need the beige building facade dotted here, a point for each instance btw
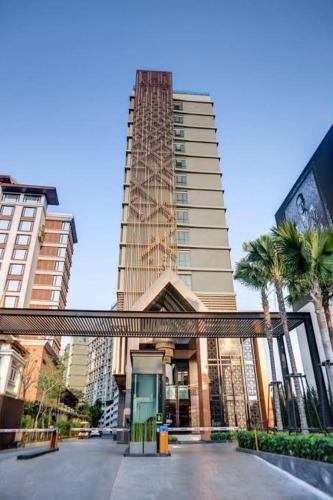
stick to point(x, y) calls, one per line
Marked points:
point(76, 359)
point(175, 256)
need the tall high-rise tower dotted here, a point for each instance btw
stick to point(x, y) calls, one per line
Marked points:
point(175, 254)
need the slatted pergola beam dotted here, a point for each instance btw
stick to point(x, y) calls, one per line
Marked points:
point(85, 323)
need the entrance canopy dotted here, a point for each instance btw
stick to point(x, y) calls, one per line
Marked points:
point(142, 324)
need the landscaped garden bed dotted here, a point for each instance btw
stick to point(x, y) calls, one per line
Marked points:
point(311, 446)
point(306, 456)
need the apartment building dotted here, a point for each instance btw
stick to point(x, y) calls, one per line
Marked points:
point(76, 361)
point(36, 248)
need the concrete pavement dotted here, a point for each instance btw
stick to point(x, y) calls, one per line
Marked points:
point(95, 469)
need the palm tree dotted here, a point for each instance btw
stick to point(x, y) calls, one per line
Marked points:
point(251, 275)
point(308, 258)
point(264, 252)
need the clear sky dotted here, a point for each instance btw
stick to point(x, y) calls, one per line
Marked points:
point(67, 67)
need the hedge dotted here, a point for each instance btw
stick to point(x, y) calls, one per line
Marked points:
point(310, 446)
point(223, 436)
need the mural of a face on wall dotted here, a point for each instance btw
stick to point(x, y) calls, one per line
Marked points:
point(306, 209)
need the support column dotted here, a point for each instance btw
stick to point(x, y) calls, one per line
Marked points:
point(318, 374)
point(287, 384)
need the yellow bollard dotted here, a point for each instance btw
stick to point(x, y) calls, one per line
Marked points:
point(164, 440)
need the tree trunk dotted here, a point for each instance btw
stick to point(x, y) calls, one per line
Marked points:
point(284, 321)
point(317, 300)
point(329, 321)
point(269, 335)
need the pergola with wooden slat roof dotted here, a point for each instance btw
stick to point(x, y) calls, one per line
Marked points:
point(228, 324)
point(141, 324)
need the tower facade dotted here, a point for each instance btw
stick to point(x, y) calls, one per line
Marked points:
point(175, 254)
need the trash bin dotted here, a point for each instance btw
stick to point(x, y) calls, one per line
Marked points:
point(164, 440)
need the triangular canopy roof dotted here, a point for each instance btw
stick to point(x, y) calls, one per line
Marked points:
point(169, 293)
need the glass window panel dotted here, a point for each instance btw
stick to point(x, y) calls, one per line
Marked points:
point(16, 269)
point(14, 285)
point(178, 119)
point(10, 301)
point(6, 210)
point(29, 212)
point(178, 106)
point(22, 239)
point(10, 197)
point(182, 237)
point(180, 148)
point(19, 254)
point(61, 252)
point(181, 180)
point(3, 237)
point(180, 163)
point(26, 225)
point(32, 198)
point(183, 259)
point(182, 216)
point(4, 224)
point(181, 197)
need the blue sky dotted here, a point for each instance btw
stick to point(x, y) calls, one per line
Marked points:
point(67, 67)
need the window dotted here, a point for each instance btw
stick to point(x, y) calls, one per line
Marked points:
point(63, 238)
point(178, 106)
point(182, 237)
point(186, 279)
point(6, 210)
point(180, 164)
point(32, 198)
point(10, 301)
point(61, 252)
point(55, 295)
point(17, 269)
point(181, 197)
point(10, 197)
point(22, 239)
point(182, 216)
point(181, 180)
point(3, 237)
point(12, 376)
point(178, 119)
point(29, 212)
point(14, 285)
point(179, 132)
point(4, 224)
point(26, 225)
point(57, 280)
point(183, 259)
point(65, 226)
point(179, 148)
point(19, 254)
point(59, 266)
point(1, 252)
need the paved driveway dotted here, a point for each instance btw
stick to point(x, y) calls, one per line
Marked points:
point(96, 470)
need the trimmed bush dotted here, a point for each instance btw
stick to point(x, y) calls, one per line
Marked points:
point(312, 446)
point(221, 436)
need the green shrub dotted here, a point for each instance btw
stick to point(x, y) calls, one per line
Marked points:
point(221, 436)
point(27, 421)
point(173, 439)
point(64, 426)
point(312, 446)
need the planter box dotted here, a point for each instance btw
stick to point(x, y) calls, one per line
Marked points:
point(318, 474)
